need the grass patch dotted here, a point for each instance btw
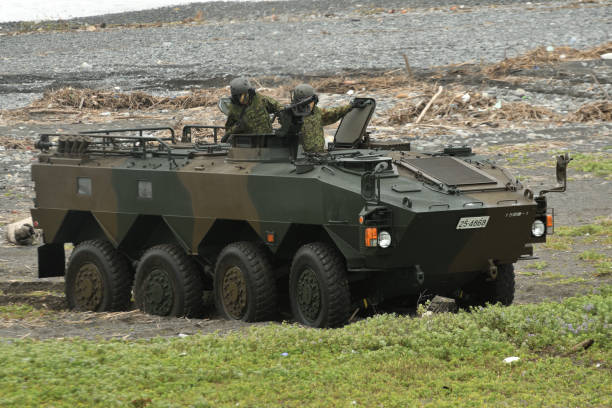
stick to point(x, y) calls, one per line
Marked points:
point(21, 311)
point(443, 360)
point(601, 262)
point(591, 256)
point(42, 293)
point(603, 228)
point(539, 265)
point(553, 275)
point(574, 279)
point(598, 164)
point(603, 268)
point(526, 273)
point(559, 243)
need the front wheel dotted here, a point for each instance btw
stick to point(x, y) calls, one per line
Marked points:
point(318, 286)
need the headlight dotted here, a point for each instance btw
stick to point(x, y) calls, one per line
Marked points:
point(537, 228)
point(384, 239)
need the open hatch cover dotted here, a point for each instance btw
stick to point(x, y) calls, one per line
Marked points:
point(353, 126)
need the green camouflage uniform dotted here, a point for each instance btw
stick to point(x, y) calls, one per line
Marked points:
point(255, 118)
point(314, 140)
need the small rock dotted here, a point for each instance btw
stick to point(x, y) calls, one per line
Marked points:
point(520, 91)
point(465, 98)
point(183, 335)
point(350, 92)
point(550, 48)
point(509, 360)
point(91, 28)
point(85, 65)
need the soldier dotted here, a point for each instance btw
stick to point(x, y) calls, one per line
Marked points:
point(314, 140)
point(249, 111)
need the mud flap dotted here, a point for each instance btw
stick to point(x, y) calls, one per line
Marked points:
point(51, 260)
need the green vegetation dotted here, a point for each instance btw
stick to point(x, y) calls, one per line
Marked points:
point(539, 265)
point(20, 311)
point(552, 275)
point(601, 262)
point(599, 164)
point(603, 268)
point(602, 228)
point(444, 360)
point(591, 256)
point(565, 236)
point(558, 243)
point(41, 293)
point(529, 273)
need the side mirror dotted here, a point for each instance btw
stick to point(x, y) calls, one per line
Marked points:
point(561, 170)
point(562, 162)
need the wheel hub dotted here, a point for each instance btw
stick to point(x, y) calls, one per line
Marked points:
point(309, 294)
point(88, 287)
point(158, 293)
point(234, 292)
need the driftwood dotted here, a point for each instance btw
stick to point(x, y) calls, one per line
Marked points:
point(431, 101)
point(583, 345)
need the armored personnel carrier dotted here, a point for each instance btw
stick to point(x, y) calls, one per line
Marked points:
point(256, 220)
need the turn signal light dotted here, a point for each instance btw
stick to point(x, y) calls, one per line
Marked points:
point(550, 224)
point(371, 237)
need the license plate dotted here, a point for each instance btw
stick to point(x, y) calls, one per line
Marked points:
point(473, 222)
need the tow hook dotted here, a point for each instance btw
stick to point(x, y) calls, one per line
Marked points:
point(419, 274)
point(492, 272)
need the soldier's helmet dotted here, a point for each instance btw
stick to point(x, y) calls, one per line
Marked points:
point(242, 90)
point(303, 91)
point(304, 99)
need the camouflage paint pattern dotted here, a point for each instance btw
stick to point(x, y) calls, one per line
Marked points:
point(271, 197)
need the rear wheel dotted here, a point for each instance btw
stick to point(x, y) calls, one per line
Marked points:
point(168, 283)
point(98, 278)
point(499, 290)
point(244, 284)
point(318, 286)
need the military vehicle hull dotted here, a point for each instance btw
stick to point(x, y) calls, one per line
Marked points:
point(340, 227)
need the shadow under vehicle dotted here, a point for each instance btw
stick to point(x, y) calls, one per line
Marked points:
point(256, 219)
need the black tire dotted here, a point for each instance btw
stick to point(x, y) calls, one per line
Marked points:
point(244, 284)
point(98, 278)
point(501, 290)
point(318, 286)
point(168, 283)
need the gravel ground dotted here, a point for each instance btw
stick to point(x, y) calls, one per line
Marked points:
point(322, 38)
point(341, 37)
